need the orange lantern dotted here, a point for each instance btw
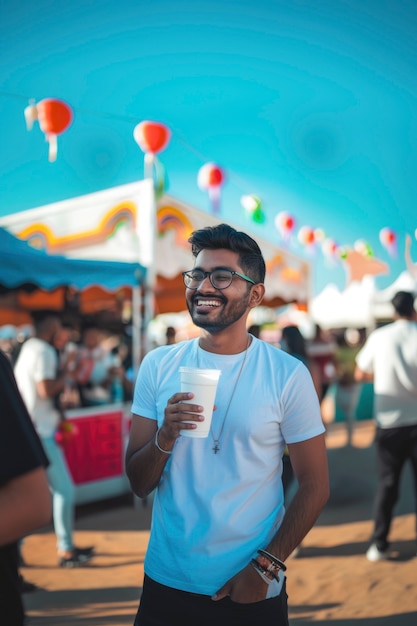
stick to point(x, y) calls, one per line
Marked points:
point(54, 117)
point(210, 178)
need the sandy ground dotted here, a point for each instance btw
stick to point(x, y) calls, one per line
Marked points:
point(330, 581)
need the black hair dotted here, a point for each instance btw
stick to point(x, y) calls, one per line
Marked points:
point(225, 237)
point(43, 317)
point(403, 303)
point(295, 341)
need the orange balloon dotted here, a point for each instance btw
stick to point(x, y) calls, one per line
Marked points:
point(54, 116)
point(306, 236)
point(151, 137)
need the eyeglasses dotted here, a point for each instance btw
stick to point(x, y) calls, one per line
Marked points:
point(220, 278)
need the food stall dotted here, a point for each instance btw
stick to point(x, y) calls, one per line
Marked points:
point(95, 449)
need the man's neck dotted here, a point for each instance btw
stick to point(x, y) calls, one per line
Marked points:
point(224, 343)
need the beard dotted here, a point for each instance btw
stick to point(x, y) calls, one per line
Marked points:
point(219, 318)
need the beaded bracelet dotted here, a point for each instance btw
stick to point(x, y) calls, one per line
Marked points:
point(273, 560)
point(158, 446)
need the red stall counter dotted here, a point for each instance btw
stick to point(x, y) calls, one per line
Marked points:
point(95, 451)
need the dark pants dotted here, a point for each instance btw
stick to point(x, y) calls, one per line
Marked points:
point(163, 606)
point(394, 446)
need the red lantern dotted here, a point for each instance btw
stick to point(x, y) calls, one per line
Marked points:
point(152, 137)
point(54, 117)
point(210, 178)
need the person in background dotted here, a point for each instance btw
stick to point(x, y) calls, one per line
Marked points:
point(255, 330)
point(389, 359)
point(170, 335)
point(322, 350)
point(100, 372)
point(293, 342)
point(25, 499)
point(36, 375)
point(67, 351)
point(220, 533)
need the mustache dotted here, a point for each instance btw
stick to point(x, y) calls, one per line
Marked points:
point(197, 295)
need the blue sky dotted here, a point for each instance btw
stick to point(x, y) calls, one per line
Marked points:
point(309, 104)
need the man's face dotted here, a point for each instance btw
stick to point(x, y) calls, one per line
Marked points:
point(211, 308)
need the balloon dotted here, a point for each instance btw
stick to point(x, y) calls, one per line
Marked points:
point(250, 202)
point(329, 248)
point(54, 117)
point(285, 224)
point(343, 252)
point(363, 247)
point(210, 178)
point(152, 137)
point(319, 235)
point(388, 239)
point(253, 206)
point(306, 236)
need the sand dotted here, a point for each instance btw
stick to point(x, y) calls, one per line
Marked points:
point(329, 582)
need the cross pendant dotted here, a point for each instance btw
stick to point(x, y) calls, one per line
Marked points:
point(216, 447)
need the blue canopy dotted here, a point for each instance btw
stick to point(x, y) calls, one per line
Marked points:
point(24, 267)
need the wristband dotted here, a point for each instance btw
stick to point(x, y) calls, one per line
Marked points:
point(273, 560)
point(158, 446)
point(263, 573)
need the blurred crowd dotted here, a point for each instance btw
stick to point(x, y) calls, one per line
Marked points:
point(97, 363)
point(100, 370)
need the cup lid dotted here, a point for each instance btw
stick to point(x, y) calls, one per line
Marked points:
point(198, 370)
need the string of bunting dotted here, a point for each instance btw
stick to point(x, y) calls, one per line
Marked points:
point(55, 116)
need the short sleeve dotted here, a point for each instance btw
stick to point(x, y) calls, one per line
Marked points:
point(21, 450)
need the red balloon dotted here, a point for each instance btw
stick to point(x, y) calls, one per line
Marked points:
point(54, 116)
point(151, 137)
point(210, 178)
point(388, 238)
point(285, 224)
point(210, 175)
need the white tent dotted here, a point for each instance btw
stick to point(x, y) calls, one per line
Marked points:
point(360, 305)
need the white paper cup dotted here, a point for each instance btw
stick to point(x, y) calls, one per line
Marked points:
point(203, 384)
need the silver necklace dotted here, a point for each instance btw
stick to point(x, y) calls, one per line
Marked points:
point(216, 440)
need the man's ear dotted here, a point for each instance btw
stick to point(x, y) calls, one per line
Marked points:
point(257, 295)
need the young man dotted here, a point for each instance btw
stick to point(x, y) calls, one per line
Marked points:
point(36, 375)
point(389, 358)
point(25, 499)
point(219, 500)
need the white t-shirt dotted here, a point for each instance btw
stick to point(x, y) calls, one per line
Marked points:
point(390, 354)
point(211, 511)
point(37, 361)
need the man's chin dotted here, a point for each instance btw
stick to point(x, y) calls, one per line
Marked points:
point(204, 322)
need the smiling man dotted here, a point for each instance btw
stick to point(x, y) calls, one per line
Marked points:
point(220, 534)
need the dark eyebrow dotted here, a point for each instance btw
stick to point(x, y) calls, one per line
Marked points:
point(221, 267)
